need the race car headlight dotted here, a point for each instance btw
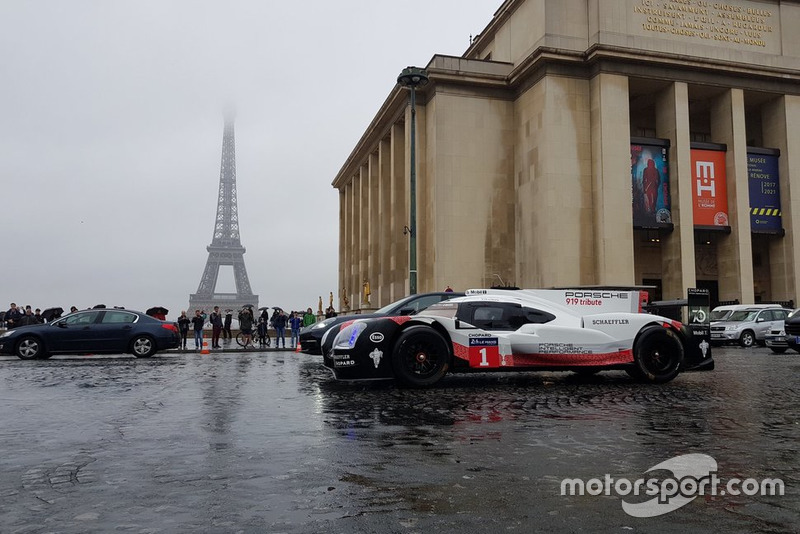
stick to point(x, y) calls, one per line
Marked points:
point(347, 337)
point(321, 324)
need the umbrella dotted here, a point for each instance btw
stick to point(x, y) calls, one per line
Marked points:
point(98, 306)
point(160, 310)
point(52, 313)
point(263, 308)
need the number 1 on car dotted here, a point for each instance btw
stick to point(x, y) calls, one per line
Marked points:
point(484, 352)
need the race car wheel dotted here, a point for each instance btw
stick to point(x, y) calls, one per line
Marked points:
point(747, 339)
point(421, 357)
point(143, 346)
point(657, 354)
point(30, 348)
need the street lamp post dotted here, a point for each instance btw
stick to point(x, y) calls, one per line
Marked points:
point(413, 77)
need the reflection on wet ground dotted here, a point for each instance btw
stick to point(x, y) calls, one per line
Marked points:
point(268, 442)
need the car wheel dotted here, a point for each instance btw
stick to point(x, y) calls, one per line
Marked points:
point(657, 355)
point(421, 357)
point(30, 348)
point(778, 350)
point(747, 339)
point(143, 346)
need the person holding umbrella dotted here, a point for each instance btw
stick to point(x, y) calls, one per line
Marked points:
point(246, 325)
point(158, 312)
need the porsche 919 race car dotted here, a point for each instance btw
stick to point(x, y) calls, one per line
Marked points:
point(500, 330)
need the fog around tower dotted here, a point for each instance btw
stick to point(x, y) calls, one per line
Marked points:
point(111, 137)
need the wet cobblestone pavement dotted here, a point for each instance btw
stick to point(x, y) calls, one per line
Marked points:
point(268, 442)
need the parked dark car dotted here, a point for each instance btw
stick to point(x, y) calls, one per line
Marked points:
point(792, 330)
point(95, 331)
point(311, 336)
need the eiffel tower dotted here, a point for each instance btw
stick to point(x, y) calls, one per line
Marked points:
point(226, 247)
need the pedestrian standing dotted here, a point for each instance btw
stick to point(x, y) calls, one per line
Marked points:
point(279, 323)
point(296, 322)
point(198, 321)
point(246, 326)
point(308, 318)
point(13, 316)
point(226, 327)
point(216, 327)
point(183, 328)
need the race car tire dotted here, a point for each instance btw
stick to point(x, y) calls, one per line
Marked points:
point(747, 339)
point(421, 357)
point(657, 355)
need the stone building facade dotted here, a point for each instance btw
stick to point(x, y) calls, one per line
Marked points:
point(591, 142)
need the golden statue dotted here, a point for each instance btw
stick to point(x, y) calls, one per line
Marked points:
point(366, 292)
point(345, 300)
point(319, 311)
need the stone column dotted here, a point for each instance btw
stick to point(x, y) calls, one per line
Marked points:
point(677, 248)
point(362, 270)
point(611, 176)
point(734, 252)
point(373, 231)
point(385, 238)
point(353, 283)
point(344, 237)
point(781, 129)
point(399, 213)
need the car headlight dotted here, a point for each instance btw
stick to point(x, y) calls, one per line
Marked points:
point(321, 324)
point(347, 337)
point(731, 328)
point(7, 333)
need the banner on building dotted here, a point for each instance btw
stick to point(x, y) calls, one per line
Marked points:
point(765, 197)
point(650, 176)
point(709, 189)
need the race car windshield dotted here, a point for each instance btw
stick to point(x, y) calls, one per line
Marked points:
point(443, 309)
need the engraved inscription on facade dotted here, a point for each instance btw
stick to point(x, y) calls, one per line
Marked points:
point(735, 23)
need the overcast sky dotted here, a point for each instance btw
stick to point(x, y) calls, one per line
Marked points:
point(111, 137)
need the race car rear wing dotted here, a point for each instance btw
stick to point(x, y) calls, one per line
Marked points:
point(581, 301)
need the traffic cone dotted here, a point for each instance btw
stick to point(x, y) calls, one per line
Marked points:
point(297, 349)
point(205, 348)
